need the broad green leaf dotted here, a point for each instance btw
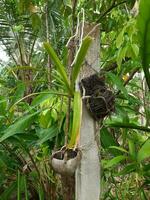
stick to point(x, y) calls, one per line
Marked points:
point(132, 149)
point(121, 55)
point(127, 125)
point(37, 101)
point(108, 140)
point(115, 161)
point(135, 49)
point(47, 134)
point(45, 119)
point(127, 169)
point(41, 98)
point(120, 39)
point(59, 65)
point(19, 92)
point(80, 56)
point(119, 148)
point(19, 126)
point(77, 117)
point(143, 23)
point(144, 152)
point(119, 83)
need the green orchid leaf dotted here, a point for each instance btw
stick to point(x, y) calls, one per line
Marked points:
point(59, 65)
point(80, 56)
point(77, 117)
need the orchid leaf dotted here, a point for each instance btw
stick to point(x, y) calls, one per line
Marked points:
point(80, 56)
point(77, 116)
point(59, 65)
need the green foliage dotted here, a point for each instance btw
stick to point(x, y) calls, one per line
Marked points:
point(144, 151)
point(77, 117)
point(144, 32)
point(18, 127)
point(59, 65)
point(35, 88)
point(47, 134)
point(80, 56)
point(119, 83)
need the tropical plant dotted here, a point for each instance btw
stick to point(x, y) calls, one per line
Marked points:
point(40, 105)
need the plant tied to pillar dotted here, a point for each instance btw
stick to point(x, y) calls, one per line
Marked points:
point(77, 101)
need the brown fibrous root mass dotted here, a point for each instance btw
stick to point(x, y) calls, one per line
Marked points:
point(98, 98)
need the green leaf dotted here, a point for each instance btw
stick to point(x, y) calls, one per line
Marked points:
point(119, 148)
point(67, 3)
point(19, 92)
point(3, 105)
point(40, 98)
point(47, 134)
point(25, 187)
point(119, 83)
point(115, 161)
point(135, 49)
point(19, 126)
point(127, 125)
point(59, 65)
point(80, 56)
point(121, 55)
point(9, 191)
point(36, 22)
point(45, 118)
point(144, 152)
point(108, 140)
point(143, 23)
point(77, 117)
point(120, 39)
point(128, 169)
point(18, 186)
point(37, 101)
point(132, 149)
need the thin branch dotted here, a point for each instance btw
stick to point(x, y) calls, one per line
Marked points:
point(114, 5)
point(74, 5)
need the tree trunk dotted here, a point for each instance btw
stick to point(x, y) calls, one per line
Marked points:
point(88, 173)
